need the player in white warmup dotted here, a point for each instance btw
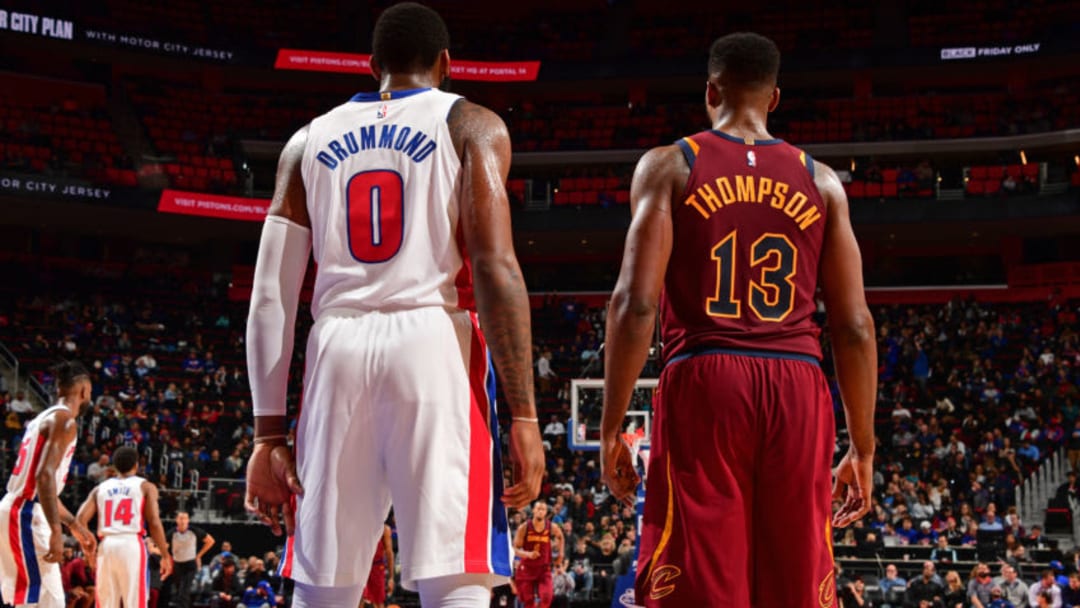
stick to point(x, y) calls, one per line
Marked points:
point(401, 195)
point(33, 547)
point(124, 506)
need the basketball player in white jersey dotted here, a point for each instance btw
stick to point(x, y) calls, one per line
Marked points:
point(124, 505)
point(32, 548)
point(401, 195)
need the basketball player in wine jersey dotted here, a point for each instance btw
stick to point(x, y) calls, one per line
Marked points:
point(535, 543)
point(31, 550)
point(125, 506)
point(400, 194)
point(379, 585)
point(732, 233)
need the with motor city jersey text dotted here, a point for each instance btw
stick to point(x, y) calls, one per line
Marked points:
point(412, 143)
point(711, 197)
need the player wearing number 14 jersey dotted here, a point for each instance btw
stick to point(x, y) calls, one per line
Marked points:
point(126, 506)
point(733, 231)
point(400, 195)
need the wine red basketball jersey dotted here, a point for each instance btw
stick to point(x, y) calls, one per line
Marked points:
point(747, 239)
point(539, 541)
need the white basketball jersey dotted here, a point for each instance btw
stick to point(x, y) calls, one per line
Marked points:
point(23, 481)
point(382, 176)
point(120, 506)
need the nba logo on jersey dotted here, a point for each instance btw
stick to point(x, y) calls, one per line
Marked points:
point(751, 160)
point(383, 111)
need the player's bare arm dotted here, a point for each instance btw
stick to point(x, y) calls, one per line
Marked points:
point(152, 517)
point(208, 542)
point(483, 144)
point(279, 274)
point(519, 542)
point(59, 431)
point(658, 181)
point(851, 329)
point(87, 512)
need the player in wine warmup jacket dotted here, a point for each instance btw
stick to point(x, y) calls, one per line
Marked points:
point(124, 506)
point(31, 551)
point(379, 586)
point(535, 542)
point(736, 229)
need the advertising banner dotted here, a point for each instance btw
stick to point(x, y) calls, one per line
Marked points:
point(959, 53)
point(354, 63)
point(53, 187)
point(213, 205)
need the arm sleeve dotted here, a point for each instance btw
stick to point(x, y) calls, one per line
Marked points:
point(279, 275)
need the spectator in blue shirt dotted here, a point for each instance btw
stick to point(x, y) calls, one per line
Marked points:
point(909, 534)
point(891, 580)
point(193, 365)
point(991, 523)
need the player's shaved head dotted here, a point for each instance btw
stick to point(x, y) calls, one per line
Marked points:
point(408, 38)
point(744, 60)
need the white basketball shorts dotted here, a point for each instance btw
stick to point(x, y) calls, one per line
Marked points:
point(121, 573)
point(398, 407)
point(24, 577)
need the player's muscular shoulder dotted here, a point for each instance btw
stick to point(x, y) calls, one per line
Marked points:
point(469, 122)
point(828, 184)
point(661, 170)
point(290, 199)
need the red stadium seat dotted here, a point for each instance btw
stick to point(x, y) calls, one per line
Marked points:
point(857, 189)
point(873, 190)
point(993, 186)
point(1031, 170)
point(890, 190)
point(889, 175)
point(1075, 179)
point(977, 172)
point(1014, 170)
point(995, 172)
point(976, 187)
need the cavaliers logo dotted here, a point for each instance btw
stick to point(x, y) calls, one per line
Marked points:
point(660, 583)
point(827, 591)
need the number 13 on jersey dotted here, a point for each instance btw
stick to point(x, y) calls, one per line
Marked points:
point(772, 295)
point(375, 214)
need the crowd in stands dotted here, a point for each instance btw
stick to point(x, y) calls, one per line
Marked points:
point(972, 397)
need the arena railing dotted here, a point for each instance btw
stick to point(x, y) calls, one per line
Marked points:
point(1033, 494)
point(36, 392)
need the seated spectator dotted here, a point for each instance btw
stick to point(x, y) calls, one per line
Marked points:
point(927, 587)
point(19, 404)
point(1070, 595)
point(604, 566)
point(226, 589)
point(192, 365)
point(991, 523)
point(1045, 585)
point(892, 580)
point(260, 596)
point(1035, 539)
point(943, 553)
point(980, 585)
point(1013, 589)
point(78, 580)
point(581, 561)
point(955, 592)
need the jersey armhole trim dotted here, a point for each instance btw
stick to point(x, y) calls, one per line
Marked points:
point(689, 149)
point(807, 161)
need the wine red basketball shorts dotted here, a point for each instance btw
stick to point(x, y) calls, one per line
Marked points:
point(738, 493)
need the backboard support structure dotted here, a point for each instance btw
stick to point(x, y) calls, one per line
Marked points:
point(586, 403)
